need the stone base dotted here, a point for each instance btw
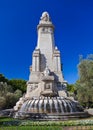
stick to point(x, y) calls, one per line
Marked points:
point(90, 111)
point(52, 116)
point(6, 113)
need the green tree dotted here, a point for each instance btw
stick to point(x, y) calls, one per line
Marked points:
point(18, 84)
point(10, 91)
point(18, 94)
point(4, 88)
point(2, 102)
point(85, 83)
point(2, 78)
point(71, 88)
point(10, 100)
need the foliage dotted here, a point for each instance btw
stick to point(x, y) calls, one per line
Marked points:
point(2, 102)
point(2, 78)
point(10, 91)
point(4, 88)
point(17, 122)
point(18, 84)
point(18, 94)
point(47, 128)
point(11, 99)
point(71, 88)
point(85, 83)
point(32, 128)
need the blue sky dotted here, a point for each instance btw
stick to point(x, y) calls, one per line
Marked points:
point(73, 20)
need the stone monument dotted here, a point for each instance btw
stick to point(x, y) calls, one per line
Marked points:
point(46, 96)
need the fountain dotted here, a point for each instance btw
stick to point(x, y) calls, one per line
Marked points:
point(46, 97)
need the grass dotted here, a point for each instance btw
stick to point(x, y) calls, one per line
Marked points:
point(16, 124)
point(32, 128)
point(47, 128)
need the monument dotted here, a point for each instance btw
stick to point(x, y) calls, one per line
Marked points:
point(46, 96)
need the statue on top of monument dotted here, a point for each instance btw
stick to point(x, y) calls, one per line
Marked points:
point(45, 17)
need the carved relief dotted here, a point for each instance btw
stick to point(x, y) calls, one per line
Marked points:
point(48, 86)
point(31, 87)
point(47, 30)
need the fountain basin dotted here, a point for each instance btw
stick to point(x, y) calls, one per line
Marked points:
point(50, 108)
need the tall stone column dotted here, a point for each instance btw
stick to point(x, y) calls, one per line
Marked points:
point(33, 64)
point(36, 61)
point(45, 41)
point(59, 64)
point(57, 61)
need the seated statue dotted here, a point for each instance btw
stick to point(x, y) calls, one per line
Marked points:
point(45, 17)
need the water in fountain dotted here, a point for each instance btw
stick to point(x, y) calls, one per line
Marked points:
point(49, 105)
point(45, 102)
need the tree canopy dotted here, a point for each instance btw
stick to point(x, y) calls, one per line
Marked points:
point(10, 91)
point(85, 83)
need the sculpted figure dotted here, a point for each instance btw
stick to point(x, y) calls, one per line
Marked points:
point(45, 17)
point(47, 71)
